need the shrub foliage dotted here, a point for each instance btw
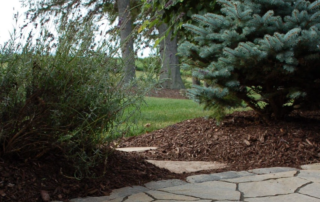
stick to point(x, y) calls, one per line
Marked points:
point(64, 97)
point(262, 52)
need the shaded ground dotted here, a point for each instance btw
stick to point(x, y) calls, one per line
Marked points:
point(241, 141)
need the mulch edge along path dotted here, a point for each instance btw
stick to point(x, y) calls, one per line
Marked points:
point(241, 141)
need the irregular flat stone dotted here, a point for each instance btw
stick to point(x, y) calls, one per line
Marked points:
point(126, 191)
point(271, 187)
point(181, 201)
point(114, 200)
point(272, 170)
point(91, 199)
point(311, 190)
point(284, 198)
point(312, 175)
point(140, 197)
point(168, 196)
point(315, 166)
point(217, 176)
point(207, 190)
point(187, 166)
point(256, 178)
point(163, 184)
point(136, 149)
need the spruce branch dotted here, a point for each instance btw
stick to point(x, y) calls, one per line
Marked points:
point(292, 33)
point(314, 5)
point(201, 19)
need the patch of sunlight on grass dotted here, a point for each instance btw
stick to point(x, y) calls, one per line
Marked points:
point(158, 113)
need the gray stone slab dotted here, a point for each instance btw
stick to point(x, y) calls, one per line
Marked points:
point(168, 196)
point(284, 198)
point(114, 200)
point(312, 175)
point(136, 149)
point(271, 187)
point(272, 170)
point(215, 190)
point(256, 178)
point(181, 201)
point(126, 191)
point(155, 185)
point(315, 166)
point(217, 176)
point(187, 166)
point(140, 197)
point(311, 190)
point(91, 199)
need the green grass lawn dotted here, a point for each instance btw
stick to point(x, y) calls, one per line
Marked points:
point(161, 112)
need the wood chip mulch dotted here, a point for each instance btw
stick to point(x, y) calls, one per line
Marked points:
point(241, 141)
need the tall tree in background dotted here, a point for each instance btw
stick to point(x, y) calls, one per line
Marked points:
point(126, 40)
point(73, 9)
point(168, 16)
point(170, 71)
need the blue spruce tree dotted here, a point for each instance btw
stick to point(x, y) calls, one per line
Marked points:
point(264, 53)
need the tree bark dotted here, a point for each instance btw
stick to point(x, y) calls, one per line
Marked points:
point(196, 81)
point(126, 41)
point(170, 70)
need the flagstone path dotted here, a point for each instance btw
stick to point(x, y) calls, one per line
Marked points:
point(258, 185)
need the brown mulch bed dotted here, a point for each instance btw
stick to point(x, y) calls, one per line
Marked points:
point(241, 141)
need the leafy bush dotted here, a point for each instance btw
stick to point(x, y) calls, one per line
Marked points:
point(62, 97)
point(262, 52)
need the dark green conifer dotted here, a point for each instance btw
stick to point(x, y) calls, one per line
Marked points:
point(264, 53)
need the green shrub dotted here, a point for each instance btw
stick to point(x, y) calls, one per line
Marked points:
point(262, 52)
point(66, 98)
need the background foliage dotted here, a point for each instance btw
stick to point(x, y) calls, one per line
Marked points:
point(66, 97)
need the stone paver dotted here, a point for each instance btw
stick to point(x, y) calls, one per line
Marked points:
point(311, 190)
point(312, 175)
point(114, 200)
point(164, 184)
point(187, 166)
point(277, 184)
point(271, 187)
point(91, 199)
point(272, 170)
point(257, 178)
point(169, 196)
point(315, 166)
point(217, 176)
point(127, 191)
point(140, 197)
point(136, 149)
point(284, 198)
point(181, 201)
point(207, 190)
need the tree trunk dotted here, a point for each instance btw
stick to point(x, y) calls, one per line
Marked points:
point(126, 41)
point(170, 70)
point(196, 81)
